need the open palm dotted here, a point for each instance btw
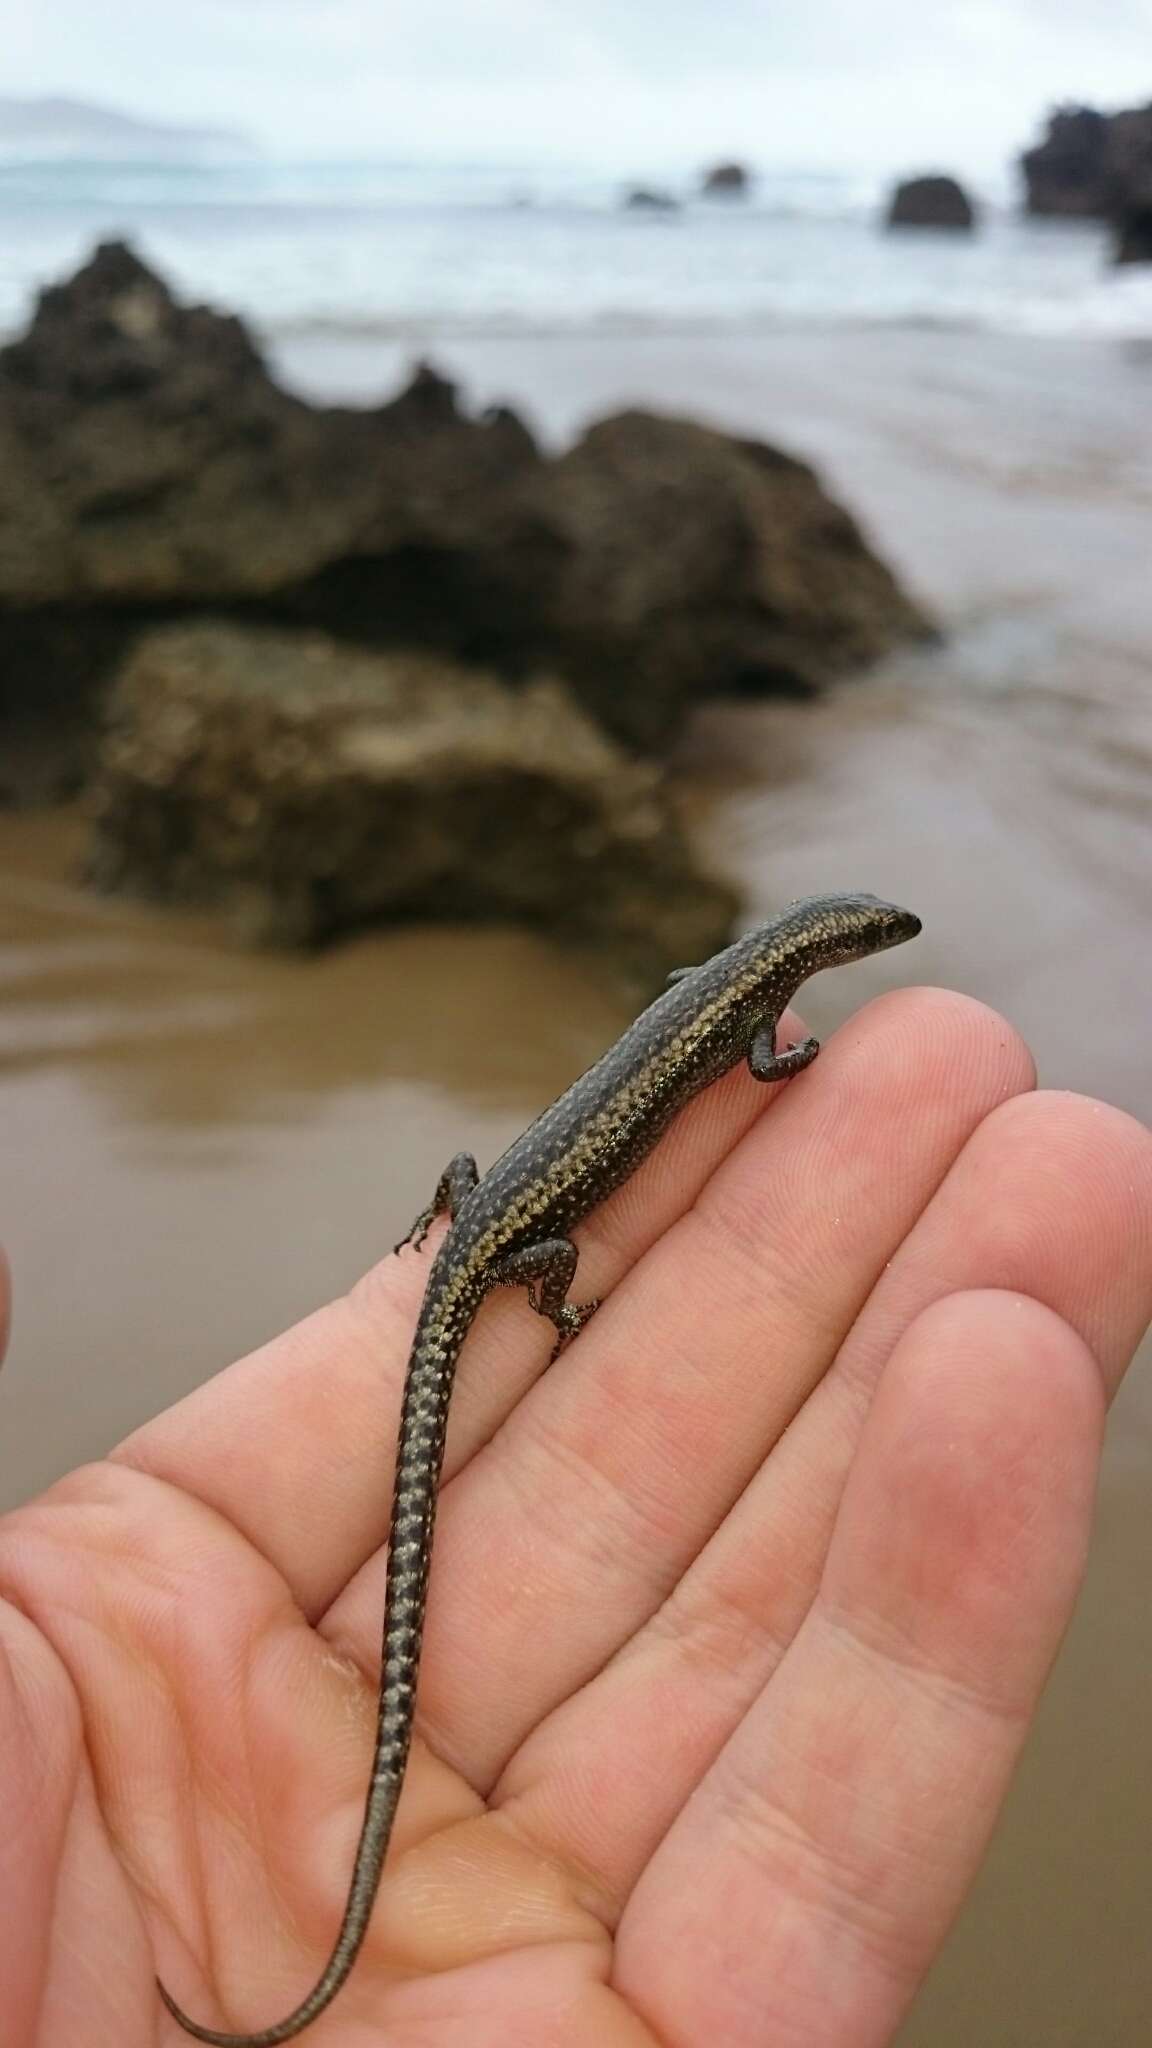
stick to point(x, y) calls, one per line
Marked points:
point(738, 1615)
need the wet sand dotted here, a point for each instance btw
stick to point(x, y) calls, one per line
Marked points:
point(199, 1146)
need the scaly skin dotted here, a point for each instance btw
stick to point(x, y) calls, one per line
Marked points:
point(511, 1229)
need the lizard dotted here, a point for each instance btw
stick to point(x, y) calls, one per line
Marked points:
point(511, 1227)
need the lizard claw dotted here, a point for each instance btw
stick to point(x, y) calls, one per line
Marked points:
point(418, 1233)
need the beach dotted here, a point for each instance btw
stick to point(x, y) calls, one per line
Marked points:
point(202, 1145)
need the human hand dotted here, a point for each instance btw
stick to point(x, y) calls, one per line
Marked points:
point(738, 1615)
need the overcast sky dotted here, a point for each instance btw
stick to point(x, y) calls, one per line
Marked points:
point(870, 84)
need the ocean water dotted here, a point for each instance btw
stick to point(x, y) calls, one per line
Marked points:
point(406, 252)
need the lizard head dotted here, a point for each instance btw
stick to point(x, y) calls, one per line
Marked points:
point(850, 926)
point(824, 931)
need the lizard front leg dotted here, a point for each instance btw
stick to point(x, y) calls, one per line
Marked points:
point(769, 1065)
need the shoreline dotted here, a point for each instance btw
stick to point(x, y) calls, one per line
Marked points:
point(428, 261)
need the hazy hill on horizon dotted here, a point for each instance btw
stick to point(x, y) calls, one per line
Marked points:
point(56, 126)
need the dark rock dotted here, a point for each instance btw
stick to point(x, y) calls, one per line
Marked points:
point(1066, 172)
point(1130, 184)
point(726, 181)
point(1094, 166)
point(657, 562)
point(649, 199)
point(54, 667)
point(146, 454)
point(935, 201)
point(311, 788)
point(148, 463)
point(684, 563)
point(1133, 243)
point(1130, 158)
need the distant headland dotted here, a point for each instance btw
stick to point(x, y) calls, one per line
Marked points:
point(58, 128)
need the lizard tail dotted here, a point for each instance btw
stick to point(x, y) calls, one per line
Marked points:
point(420, 1456)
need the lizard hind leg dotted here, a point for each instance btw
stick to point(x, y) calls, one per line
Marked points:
point(547, 1270)
point(456, 1182)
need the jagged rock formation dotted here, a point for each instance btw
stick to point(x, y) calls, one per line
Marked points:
point(1096, 166)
